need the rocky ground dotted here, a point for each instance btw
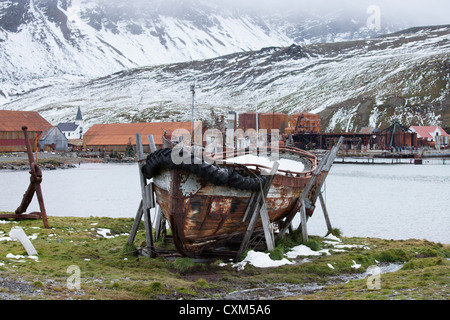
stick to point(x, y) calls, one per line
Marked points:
point(53, 160)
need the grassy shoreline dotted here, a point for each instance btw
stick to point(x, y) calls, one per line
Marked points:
point(108, 270)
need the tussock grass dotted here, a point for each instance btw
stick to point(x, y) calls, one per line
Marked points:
point(110, 269)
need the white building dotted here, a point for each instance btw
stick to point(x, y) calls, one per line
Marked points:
point(73, 130)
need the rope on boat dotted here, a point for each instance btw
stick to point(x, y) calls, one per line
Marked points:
point(162, 159)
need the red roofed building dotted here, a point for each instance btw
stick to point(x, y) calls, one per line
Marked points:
point(432, 133)
point(11, 134)
point(118, 136)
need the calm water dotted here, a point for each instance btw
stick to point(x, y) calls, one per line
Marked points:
point(385, 201)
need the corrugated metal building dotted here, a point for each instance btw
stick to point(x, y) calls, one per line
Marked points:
point(11, 134)
point(116, 137)
point(53, 139)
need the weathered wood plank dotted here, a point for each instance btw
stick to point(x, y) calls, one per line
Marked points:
point(268, 231)
point(325, 212)
point(135, 226)
point(323, 168)
point(147, 204)
point(304, 194)
point(160, 220)
point(303, 222)
point(259, 200)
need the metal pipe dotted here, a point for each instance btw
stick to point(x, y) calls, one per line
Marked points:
point(192, 111)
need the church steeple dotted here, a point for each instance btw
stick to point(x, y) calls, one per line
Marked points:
point(79, 121)
point(79, 116)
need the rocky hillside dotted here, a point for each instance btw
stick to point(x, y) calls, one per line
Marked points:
point(403, 76)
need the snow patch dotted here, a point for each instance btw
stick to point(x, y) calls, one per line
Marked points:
point(284, 164)
point(260, 260)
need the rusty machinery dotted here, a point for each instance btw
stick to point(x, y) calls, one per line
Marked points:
point(34, 187)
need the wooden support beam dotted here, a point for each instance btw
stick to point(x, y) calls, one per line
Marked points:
point(160, 223)
point(325, 212)
point(135, 226)
point(147, 198)
point(303, 195)
point(268, 230)
point(303, 222)
point(326, 168)
point(321, 170)
point(160, 220)
point(256, 204)
point(250, 208)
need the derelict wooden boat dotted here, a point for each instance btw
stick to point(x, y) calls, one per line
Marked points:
point(205, 204)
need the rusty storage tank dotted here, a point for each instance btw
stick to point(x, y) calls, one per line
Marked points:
point(247, 120)
point(273, 120)
point(305, 122)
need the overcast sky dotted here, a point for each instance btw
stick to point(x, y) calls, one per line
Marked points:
point(415, 12)
point(422, 12)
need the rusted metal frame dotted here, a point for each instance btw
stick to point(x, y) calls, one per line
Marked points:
point(304, 195)
point(257, 207)
point(20, 217)
point(34, 187)
point(26, 200)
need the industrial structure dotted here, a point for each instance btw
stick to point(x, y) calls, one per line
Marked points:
point(302, 130)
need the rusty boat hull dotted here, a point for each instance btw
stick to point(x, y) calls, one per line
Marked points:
point(204, 216)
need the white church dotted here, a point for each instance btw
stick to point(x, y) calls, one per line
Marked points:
point(73, 130)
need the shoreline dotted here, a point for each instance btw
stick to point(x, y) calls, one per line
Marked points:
point(56, 160)
point(52, 161)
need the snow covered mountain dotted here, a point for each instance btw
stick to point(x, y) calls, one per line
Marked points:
point(403, 76)
point(48, 41)
point(135, 61)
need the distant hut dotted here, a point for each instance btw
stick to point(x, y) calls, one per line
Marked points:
point(53, 139)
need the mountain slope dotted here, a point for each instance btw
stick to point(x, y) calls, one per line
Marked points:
point(403, 76)
point(48, 41)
